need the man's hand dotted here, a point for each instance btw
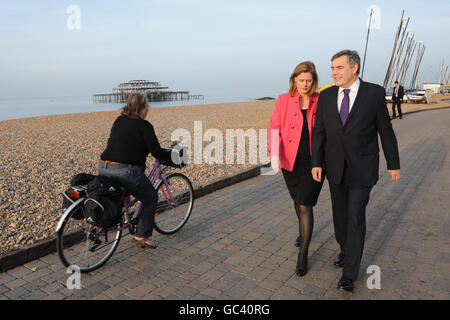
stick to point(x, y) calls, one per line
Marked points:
point(395, 174)
point(275, 163)
point(317, 174)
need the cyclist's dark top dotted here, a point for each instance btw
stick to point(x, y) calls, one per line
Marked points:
point(130, 142)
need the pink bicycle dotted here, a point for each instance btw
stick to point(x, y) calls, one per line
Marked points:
point(89, 247)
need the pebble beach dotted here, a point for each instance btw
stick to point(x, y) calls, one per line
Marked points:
point(40, 155)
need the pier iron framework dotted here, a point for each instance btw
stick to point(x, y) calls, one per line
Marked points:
point(153, 90)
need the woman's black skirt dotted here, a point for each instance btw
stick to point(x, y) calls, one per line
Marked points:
point(304, 190)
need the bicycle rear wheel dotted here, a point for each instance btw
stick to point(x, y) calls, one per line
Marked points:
point(81, 244)
point(175, 203)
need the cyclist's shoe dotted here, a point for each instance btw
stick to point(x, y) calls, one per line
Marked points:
point(144, 243)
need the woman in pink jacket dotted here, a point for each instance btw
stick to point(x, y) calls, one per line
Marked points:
point(291, 128)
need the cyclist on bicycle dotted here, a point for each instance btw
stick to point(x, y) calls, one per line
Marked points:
point(132, 138)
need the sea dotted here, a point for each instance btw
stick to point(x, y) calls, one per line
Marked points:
point(15, 108)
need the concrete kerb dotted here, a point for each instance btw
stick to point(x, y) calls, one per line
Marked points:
point(42, 248)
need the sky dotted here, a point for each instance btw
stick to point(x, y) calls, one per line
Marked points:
point(233, 48)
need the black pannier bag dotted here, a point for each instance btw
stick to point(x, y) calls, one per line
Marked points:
point(77, 189)
point(103, 206)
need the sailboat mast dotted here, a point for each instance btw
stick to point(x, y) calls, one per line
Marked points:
point(367, 42)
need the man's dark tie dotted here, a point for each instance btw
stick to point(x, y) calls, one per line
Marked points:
point(345, 106)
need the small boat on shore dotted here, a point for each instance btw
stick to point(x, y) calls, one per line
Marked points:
point(388, 97)
point(416, 96)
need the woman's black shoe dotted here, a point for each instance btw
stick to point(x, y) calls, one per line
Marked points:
point(298, 242)
point(300, 272)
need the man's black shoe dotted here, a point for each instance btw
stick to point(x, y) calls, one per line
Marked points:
point(345, 284)
point(339, 261)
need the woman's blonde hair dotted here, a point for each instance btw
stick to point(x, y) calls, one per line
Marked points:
point(136, 103)
point(306, 66)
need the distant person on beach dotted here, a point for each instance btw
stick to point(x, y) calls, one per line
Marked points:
point(350, 116)
point(132, 138)
point(397, 99)
point(293, 122)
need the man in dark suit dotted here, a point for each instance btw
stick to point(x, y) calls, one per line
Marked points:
point(349, 116)
point(397, 99)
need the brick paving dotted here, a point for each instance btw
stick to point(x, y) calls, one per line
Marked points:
point(239, 242)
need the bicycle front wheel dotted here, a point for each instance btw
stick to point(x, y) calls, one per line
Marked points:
point(83, 245)
point(175, 203)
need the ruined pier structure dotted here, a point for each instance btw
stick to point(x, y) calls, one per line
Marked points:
point(154, 91)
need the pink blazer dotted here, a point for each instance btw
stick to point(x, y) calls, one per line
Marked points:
point(286, 126)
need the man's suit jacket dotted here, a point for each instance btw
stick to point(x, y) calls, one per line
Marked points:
point(357, 140)
point(401, 93)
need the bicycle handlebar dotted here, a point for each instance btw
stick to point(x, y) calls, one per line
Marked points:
point(179, 151)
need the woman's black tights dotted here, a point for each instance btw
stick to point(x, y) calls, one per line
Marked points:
point(305, 228)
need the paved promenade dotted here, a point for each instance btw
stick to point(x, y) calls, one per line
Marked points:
point(239, 242)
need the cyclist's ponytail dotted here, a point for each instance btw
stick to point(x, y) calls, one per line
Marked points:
point(136, 103)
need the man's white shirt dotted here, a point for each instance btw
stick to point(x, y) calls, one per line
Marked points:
point(352, 94)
